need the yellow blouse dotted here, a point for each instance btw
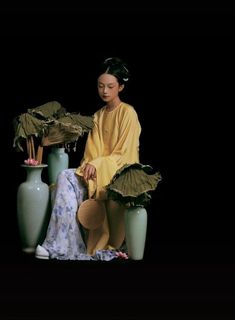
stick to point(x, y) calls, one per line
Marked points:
point(113, 142)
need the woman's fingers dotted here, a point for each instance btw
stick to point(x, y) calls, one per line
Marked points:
point(89, 172)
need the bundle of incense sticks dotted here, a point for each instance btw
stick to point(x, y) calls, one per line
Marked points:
point(31, 150)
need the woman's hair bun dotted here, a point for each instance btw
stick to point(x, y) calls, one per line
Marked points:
point(116, 67)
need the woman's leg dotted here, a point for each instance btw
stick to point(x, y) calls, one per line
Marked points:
point(111, 233)
point(98, 238)
point(64, 239)
point(116, 222)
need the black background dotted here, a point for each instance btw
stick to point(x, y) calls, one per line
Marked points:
point(182, 78)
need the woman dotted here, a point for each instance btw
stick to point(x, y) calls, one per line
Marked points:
point(113, 142)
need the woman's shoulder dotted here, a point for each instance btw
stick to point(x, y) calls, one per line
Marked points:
point(127, 106)
point(128, 109)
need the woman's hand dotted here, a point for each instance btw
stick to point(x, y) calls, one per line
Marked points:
point(89, 172)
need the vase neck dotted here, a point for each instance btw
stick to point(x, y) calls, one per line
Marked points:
point(34, 174)
point(58, 150)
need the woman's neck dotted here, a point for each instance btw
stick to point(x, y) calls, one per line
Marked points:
point(113, 105)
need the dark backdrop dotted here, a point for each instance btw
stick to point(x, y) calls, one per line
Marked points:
point(179, 89)
point(174, 90)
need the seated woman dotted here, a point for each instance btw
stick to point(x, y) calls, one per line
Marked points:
point(113, 142)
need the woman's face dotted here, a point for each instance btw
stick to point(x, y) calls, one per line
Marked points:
point(108, 87)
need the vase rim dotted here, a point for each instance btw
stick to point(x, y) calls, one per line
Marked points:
point(60, 149)
point(54, 147)
point(37, 166)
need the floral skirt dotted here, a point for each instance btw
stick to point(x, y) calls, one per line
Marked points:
point(65, 236)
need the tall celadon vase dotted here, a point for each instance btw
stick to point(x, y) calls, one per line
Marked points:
point(58, 160)
point(32, 208)
point(136, 230)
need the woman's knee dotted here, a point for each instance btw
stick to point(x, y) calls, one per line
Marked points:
point(65, 174)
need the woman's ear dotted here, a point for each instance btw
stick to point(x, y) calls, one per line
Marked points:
point(121, 87)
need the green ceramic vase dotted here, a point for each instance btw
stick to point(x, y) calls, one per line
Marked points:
point(32, 208)
point(58, 160)
point(136, 229)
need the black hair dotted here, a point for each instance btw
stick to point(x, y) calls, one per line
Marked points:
point(116, 67)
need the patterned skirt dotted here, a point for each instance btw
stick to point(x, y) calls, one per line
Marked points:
point(65, 238)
